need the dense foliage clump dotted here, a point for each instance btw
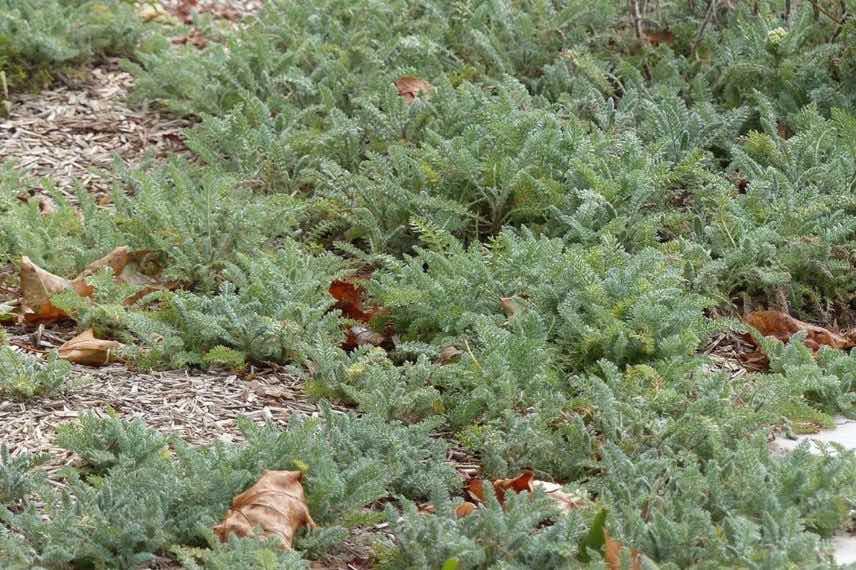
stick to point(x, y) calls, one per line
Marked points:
point(543, 243)
point(41, 38)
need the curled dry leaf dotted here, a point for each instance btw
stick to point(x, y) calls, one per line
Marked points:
point(275, 503)
point(46, 204)
point(360, 335)
point(465, 509)
point(448, 354)
point(511, 306)
point(37, 287)
point(116, 260)
point(410, 87)
point(86, 349)
point(566, 502)
point(783, 326)
point(461, 510)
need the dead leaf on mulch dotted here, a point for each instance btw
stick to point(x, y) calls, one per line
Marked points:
point(410, 87)
point(275, 503)
point(783, 326)
point(475, 491)
point(195, 38)
point(38, 285)
point(116, 260)
point(349, 300)
point(86, 349)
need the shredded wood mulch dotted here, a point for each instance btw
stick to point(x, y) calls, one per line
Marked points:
point(73, 132)
point(200, 408)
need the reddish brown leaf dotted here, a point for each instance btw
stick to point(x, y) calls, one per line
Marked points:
point(349, 300)
point(86, 349)
point(465, 509)
point(659, 37)
point(410, 87)
point(783, 326)
point(184, 10)
point(475, 491)
point(275, 503)
point(612, 554)
point(195, 38)
point(522, 482)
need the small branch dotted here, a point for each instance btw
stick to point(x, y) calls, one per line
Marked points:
point(821, 10)
point(840, 25)
point(707, 16)
point(637, 18)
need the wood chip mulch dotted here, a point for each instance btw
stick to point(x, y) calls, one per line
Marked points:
point(73, 131)
point(198, 408)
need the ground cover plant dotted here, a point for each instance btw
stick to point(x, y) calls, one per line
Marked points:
point(40, 39)
point(512, 228)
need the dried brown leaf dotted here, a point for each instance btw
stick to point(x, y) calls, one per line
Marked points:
point(511, 306)
point(37, 287)
point(86, 349)
point(475, 491)
point(275, 503)
point(465, 509)
point(349, 299)
point(115, 260)
point(612, 554)
point(783, 326)
point(46, 204)
point(411, 87)
point(195, 38)
point(448, 354)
